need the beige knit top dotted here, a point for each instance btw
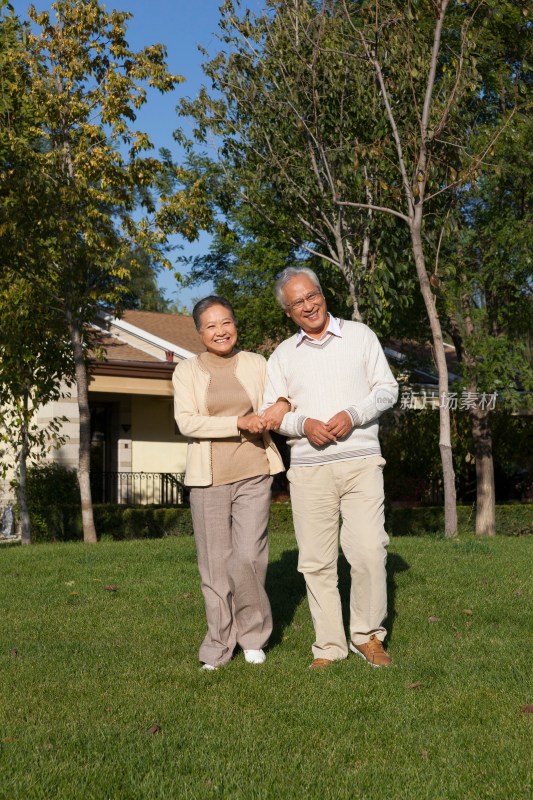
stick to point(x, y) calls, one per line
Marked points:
point(239, 457)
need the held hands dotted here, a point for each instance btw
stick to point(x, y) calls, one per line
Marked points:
point(273, 416)
point(270, 420)
point(321, 433)
point(251, 424)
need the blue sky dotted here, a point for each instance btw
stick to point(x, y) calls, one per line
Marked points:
point(181, 25)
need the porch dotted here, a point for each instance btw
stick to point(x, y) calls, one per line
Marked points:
point(138, 488)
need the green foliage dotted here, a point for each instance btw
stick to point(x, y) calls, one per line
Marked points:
point(244, 260)
point(80, 188)
point(35, 365)
point(56, 521)
point(83, 173)
point(60, 521)
point(309, 145)
point(143, 292)
point(296, 140)
point(34, 352)
point(144, 522)
point(487, 289)
point(138, 523)
point(54, 506)
point(174, 521)
point(409, 442)
point(515, 519)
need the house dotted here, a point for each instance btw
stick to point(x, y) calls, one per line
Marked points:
point(137, 452)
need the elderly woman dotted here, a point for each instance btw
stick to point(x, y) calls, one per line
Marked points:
point(230, 461)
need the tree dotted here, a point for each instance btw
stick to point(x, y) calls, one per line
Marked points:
point(34, 353)
point(292, 135)
point(244, 259)
point(336, 115)
point(488, 294)
point(143, 291)
point(35, 366)
point(74, 179)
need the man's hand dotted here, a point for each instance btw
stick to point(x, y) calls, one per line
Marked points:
point(273, 415)
point(317, 432)
point(251, 423)
point(340, 425)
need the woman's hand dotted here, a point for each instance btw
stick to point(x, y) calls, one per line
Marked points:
point(273, 416)
point(252, 424)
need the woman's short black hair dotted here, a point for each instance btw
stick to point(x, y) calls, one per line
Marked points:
point(207, 302)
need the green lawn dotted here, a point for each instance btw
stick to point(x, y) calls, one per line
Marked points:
point(86, 671)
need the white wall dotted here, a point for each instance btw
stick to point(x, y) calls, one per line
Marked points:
point(156, 447)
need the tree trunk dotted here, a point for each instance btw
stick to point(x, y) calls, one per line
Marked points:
point(347, 260)
point(22, 487)
point(485, 492)
point(445, 445)
point(84, 463)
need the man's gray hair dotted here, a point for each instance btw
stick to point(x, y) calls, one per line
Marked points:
point(285, 276)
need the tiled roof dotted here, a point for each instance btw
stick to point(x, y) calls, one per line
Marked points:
point(176, 328)
point(116, 350)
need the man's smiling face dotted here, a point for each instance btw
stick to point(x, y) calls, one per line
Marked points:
point(305, 305)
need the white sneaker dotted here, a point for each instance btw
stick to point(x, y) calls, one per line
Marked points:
point(208, 667)
point(254, 656)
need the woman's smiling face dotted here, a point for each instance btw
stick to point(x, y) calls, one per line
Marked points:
point(218, 331)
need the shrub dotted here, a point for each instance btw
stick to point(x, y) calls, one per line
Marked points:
point(174, 521)
point(140, 523)
point(54, 503)
point(513, 519)
point(108, 518)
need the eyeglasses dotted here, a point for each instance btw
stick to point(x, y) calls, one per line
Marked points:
point(311, 298)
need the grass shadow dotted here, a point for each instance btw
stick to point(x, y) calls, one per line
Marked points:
point(395, 564)
point(285, 588)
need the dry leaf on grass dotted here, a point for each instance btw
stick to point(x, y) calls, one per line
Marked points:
point(415, 685)
point(154, 729)
point(468, 611)
point(527, 708)
point(433, 619)
point(111, 588)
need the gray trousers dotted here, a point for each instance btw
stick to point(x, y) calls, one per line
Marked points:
point(230, 529)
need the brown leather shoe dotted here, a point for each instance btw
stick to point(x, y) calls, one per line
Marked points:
point(373, 652)
point(320, 663)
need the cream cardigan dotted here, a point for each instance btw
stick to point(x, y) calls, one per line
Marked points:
point(191, 381)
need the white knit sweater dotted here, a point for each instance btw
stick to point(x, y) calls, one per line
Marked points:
point(338, 373)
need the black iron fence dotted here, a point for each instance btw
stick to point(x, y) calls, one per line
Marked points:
point(139, 488)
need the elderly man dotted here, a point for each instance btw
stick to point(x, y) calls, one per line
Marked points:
point(336, 377)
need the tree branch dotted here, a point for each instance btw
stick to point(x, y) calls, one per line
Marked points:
point(371, 207)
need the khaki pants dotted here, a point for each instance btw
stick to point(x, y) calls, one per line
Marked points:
point(352, 489)
point(230, 529)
